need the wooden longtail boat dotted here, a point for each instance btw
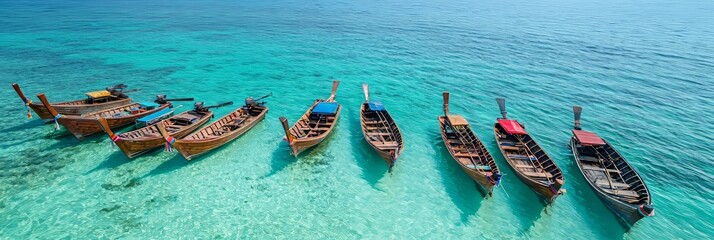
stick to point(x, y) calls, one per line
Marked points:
point(220, 132)
point(315, 125)
point(467, 150)
point(96, 101)
point(527, 159)
point(612, 178)
point(142, 140)
point(380, 130)
point(87, 124)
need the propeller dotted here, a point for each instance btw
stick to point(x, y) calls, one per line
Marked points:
point(263, 97)
point(119, 87)
point(161, 99)
point(446, 104)
point(502, 106)
point(250, 101)
point(198, 106)
point(577, 110)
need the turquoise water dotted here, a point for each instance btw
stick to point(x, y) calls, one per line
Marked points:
point(642, 69)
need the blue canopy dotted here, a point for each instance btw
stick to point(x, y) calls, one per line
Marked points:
point(376, 106)
point(482, 167)
point(156, 115)
point(149, 105)
point(325, 108)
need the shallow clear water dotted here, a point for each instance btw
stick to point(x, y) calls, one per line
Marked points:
point(642, 70)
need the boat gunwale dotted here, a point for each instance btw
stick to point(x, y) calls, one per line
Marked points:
point(183, 140)
point(578, 161)
point(89, 114)
point(143, 138)
point(306, 115)
point(519, 172)
point(444, 138)
point(364, 131)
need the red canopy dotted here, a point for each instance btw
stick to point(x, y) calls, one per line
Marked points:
point(588, 138)
point(511, 126)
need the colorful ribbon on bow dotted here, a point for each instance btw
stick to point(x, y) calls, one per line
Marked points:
point(169, 142)
point(552, 188)
point(27, 106)
point(57, 118)
point(115, 139)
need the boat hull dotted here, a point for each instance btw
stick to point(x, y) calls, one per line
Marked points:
point(480, 178)
point(299, 145)
point(191, 149)
point(135, 147)
point(66, 108)
point(627, 213)
point(82, 127)
point(384, 154)
point(539, 187)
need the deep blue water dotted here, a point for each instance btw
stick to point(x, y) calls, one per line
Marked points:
point(643, 71)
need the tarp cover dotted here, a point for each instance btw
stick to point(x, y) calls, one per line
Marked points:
point(376, 106)
point(155, 115)
point(149, 105)
point(512, 126)
point(588, 138)
point(457, 120)
point(99, 94)
point(325, 108)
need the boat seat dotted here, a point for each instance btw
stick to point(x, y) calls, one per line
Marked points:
point(237, 122)
point(589, 159)
point(508, 143)
point(592, 167)
point(220, 132)
point(379, 134)
point(510, 148)
point(521, 157)
point(170, 127)
point(465, 155)
point(523, 166)
point(623, 193)
point(605, 184)
point(452, 141)
point(538, 174)
point(479, 167)
point(596, 168)
point(386, 144)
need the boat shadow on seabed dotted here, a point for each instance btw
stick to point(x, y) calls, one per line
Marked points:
point(115, 159)
point(374, 168)
point(282, 158)
point(462, 190)
point(524, 202)
point(600, 218)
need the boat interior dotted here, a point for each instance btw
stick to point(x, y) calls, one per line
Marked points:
point(467, 149)
point(381, 130)
point(173, 124)
point(126, 110)
point(232, 122)
point(605, 168)
point(527, 156)
point(320, 120)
